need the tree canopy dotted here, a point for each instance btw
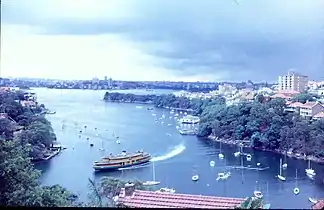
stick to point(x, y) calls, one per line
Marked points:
point(266, 125)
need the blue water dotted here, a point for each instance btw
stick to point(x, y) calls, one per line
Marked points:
point(176, 157)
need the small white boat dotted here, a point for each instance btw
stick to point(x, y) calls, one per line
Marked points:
point(236, 154)
point(180, 112)
point(166, 190)
point(118, 142)
point(170, 117)
point(258, 194)
point(248, 157)
point(139, 107)
point(212, 163)
point(223, 176)
point(153, 114)
point(309, 171)
point(312, 200)
point(282, 178)
point(163, 116)
point(101, 149)
point(195, 178)
point(312, 177)
point(221, 156)
point(151, 183)
point(284, 166)
point(169, 124)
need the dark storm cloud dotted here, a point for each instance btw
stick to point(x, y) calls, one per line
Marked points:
point(252, 39)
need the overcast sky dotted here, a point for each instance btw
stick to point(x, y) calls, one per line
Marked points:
point(209, 40)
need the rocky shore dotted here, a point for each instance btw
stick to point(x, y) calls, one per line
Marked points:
point(246, 145)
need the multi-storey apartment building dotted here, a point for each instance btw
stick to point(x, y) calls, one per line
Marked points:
point(293, 81)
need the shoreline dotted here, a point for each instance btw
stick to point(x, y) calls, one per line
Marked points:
point(293, 155)
point(149, 103)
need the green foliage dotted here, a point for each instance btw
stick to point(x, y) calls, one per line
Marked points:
point(19, 184)
point(266, 125)
point(303, 97)
point(251, 203)
point(102, 193)
point(165, 100)
point(37, 130)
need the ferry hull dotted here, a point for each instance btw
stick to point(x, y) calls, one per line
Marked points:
point(116, 167)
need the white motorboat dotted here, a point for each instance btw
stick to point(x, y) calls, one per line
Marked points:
point(166, 190)
point(280, 177)
point(212, 163)
point(195, 178)
point(309, 171)
point(248, 157)
point(118, 142)
point(236, 154)
point(284, 166)
point(223, 175)
point(150, 183)
point(312, 200)
point(169, 124)
point(221, 156)
point(258, 194)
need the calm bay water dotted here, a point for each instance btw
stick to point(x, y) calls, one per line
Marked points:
point(177, 157)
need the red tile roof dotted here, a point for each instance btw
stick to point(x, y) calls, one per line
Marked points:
point(280, 95)
point(150, 199)
point(318, 205)
point(296, 104)
point(308, 105)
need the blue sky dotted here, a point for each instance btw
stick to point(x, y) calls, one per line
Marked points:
point(208, 40)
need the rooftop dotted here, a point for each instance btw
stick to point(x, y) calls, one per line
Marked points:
point(150, 199)
point(308, 105)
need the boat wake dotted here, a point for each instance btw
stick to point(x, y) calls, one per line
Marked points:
point(174, 152)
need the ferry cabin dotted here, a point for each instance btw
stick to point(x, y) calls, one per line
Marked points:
point(121, 161)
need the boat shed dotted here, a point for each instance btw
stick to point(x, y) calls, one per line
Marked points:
point(132, 198)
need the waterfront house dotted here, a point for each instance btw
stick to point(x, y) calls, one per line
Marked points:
point(131, 198)
point(310, 109)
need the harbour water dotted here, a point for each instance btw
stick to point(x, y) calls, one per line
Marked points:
point(177, 158)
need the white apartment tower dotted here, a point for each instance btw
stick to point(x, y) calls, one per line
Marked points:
point(293, 81)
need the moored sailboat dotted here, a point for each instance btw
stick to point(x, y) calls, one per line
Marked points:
point(154, 182)
point(280, 177)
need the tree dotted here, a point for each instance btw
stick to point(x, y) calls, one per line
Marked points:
point(303, 98)
point(19, 185)
point(103, 193)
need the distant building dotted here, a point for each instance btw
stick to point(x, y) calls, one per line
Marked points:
point(106, 78)
point(293, 81)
